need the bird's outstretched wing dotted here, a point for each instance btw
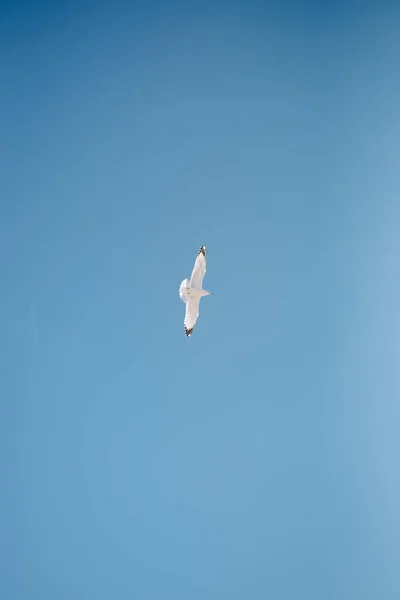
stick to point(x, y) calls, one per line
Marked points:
point(196, 279)
point(192, 312)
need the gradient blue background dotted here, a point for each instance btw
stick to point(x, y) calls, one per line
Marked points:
point(259, 458)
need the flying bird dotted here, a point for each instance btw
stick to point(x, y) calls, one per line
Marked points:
point(192, 291)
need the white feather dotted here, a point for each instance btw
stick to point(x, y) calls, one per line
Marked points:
point(199, 270)
point(192, 312)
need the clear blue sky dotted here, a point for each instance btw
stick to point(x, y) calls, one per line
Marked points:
point(258, 459)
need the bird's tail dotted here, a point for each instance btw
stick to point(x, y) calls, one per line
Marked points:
point(184, 296)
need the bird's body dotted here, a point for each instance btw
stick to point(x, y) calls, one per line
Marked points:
point(192, 291)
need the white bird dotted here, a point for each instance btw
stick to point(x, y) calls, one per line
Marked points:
point(191, 291)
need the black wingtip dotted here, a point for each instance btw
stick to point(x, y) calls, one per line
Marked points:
point(188, 331)
point(202, 250)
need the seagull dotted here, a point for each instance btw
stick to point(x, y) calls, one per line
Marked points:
point(191, 291)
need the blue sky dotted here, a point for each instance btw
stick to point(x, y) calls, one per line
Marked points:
point(259, 458)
